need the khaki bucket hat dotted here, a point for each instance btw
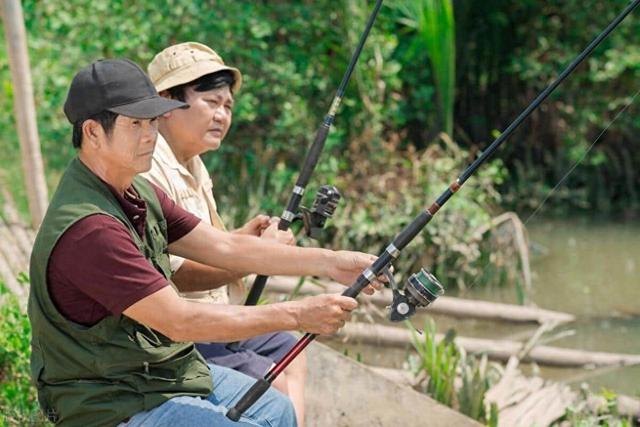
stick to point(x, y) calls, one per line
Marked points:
point(185, 62)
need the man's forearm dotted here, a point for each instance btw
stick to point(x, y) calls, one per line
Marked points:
point(193, 276)
point(183, 320)
point(237, 252)
point(226, 323)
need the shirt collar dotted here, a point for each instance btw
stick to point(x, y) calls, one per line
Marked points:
point(194, 169)
point(164, 155)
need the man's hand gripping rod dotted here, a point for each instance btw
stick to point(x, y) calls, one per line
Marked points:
point(289, 214)
point(412, 230)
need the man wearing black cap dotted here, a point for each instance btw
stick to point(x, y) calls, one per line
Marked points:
point(112, 342)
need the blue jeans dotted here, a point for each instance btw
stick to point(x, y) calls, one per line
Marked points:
point(271, 410)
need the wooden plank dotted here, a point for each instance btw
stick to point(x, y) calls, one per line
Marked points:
point(456, 307)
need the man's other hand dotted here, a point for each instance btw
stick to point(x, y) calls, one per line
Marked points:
point(255, 226)
point(347, 266)
point(272, 233)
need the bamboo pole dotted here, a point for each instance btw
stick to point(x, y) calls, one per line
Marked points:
point(495, 349)
point(24, 109)
point(457, 307)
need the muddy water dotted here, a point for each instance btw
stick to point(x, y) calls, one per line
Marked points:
point(591, 270)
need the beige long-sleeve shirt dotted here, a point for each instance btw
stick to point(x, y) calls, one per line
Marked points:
point(190, 186)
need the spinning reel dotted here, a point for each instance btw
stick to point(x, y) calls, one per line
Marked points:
point(420, 290)
point(323, 207)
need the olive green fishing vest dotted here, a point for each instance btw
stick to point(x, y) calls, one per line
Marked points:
point(102, 374)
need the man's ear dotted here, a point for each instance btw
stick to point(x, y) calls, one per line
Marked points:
point(92, 132)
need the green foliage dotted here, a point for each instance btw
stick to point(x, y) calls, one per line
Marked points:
point(18, 403)
point(451, 376)
point(437, 360)
point(492, 419)
point(510, 51)
point(596, 410)
point(381, 151)
point(383, 196)
point(292, 57)
point(475, 383)
point(434, 23)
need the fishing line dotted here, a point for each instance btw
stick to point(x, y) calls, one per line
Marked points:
point(577, 163)
point(564, 178)
point(425, 285)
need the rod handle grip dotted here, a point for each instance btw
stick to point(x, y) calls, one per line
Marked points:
point(256, 290)
point(249, 398)
point(351, 292)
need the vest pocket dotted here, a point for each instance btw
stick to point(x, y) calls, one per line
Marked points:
point(148, 338)
point(183, 366)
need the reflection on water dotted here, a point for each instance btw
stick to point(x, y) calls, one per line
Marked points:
point(588, 269)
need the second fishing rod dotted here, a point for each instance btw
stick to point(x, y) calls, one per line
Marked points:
point(327, 197)
point(425, 288)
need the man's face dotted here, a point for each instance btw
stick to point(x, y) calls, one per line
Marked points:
point(130, 145)
point(203, 126)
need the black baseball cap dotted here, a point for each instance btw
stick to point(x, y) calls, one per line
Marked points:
point(116, 85)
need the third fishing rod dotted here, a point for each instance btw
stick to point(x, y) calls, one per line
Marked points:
point(327, 197)
point(425, 287)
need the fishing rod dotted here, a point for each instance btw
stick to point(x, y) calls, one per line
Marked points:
point(327, 196)
point(424, 285)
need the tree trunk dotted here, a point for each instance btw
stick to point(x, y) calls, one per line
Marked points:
point(24, 109)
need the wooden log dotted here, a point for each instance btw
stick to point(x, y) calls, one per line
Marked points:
point(24, 107)
point(540, 408)
point(524, 401)
point(629, 406)
point(495, 349)
point(456, 307)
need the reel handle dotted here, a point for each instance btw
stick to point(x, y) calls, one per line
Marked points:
point(323, 208)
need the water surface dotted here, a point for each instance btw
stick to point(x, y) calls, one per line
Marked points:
point(589, 269)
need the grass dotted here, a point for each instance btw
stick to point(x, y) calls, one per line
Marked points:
point(438, 361)
point(18, 402)
point(452, 377)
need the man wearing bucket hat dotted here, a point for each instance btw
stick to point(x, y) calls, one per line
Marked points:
point(194, 73)
point(112, 342)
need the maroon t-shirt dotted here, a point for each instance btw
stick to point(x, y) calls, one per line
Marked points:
point(96, 269)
